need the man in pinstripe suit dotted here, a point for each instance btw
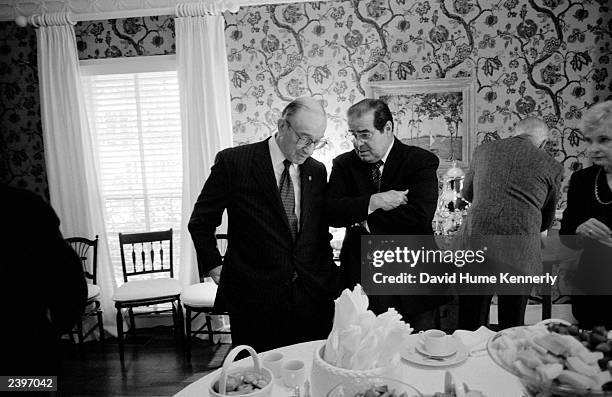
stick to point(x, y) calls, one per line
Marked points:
point(513, 185)
point(277, 278)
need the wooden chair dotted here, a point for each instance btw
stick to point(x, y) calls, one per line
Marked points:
point(87, 250)
point(144, 258)
point(200, 299)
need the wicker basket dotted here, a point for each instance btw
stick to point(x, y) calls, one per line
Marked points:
point(256, 368)
point(324, 376)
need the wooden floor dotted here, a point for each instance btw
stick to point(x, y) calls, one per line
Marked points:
point(154, 366)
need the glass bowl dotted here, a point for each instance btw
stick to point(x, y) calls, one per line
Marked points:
point(359, 386)
point(535, 387)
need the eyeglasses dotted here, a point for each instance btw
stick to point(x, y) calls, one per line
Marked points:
point(359, 136)
point(306, 141)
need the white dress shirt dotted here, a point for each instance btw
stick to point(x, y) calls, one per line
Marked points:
point(277, 158)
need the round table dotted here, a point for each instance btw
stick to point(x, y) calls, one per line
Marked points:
point(479, 373)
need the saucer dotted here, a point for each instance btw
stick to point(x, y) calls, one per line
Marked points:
point(452, 349)
point(410, 354)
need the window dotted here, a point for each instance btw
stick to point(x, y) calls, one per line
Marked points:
point(135, 121)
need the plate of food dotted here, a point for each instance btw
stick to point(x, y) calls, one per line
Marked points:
point(374, 387)
point(556, 358)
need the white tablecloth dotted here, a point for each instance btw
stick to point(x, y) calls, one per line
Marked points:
point(479, 373)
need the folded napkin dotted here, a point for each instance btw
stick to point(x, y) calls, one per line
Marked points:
point(474, 340)
point(359, 339)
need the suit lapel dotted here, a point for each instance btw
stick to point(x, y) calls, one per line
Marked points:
point(264, 173)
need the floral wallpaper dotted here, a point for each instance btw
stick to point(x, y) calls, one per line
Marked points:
point(22, 162)
point(546, 58)
point(128, 37)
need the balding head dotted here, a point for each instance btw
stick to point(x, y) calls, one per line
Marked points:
point(305, 103)
point(533, 129)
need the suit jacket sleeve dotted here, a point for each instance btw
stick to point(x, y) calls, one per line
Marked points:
point(550, 205)
point(207, 214)
point(418, 213)
point(343, 210)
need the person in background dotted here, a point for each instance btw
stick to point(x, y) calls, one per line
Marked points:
point(587, 221)
point(277, 278)
point(44, 290)
point(513, 185)
point(382, 187)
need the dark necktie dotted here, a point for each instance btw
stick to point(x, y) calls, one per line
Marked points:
point(375, 173)
point(288, 198)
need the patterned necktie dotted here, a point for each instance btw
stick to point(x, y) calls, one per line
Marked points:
point(288, 198)
point(375, 173)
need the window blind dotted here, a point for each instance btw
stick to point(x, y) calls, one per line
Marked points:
point(135, 120)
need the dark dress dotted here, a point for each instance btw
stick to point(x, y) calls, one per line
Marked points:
point(593, 276)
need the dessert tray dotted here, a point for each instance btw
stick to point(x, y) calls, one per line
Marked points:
point(556, 358)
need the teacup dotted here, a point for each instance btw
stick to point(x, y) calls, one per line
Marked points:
point(274, 362)
point(294, 373)
point(435, 341)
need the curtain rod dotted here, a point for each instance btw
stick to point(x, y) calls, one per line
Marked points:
point(22, 20)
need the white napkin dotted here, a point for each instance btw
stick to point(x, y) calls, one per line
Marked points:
point(361, 340)
point(474, 340)
point(348, 307)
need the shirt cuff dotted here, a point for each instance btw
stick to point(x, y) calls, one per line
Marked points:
point(370, 210)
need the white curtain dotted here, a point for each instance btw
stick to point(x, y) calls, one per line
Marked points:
point(69, 154)
point(205, 106)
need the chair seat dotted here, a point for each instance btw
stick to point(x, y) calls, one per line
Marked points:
point(93, 291)
point(147, 289)
point(200, 295)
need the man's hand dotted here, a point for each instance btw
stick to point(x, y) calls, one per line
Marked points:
point(388, 200)
point(215, 274)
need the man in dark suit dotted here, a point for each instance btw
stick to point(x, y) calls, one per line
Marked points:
point(513, 185)
point(44, 288)
point(382, 187)
point(277, 277)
